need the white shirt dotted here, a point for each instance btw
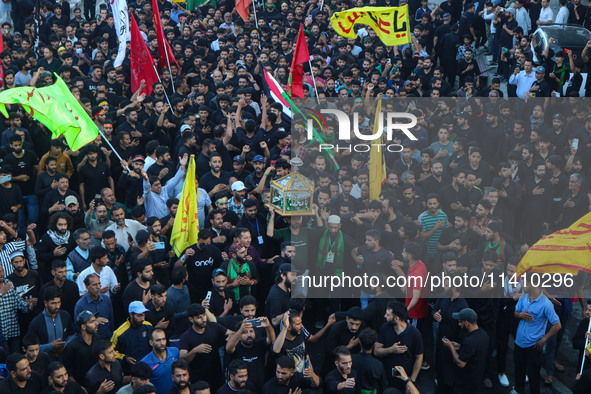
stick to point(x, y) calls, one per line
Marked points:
point(562, 16)
point(107, 276)
point(523, 19)
point(546, 14)
point(523, 82)
point(149, 161)
point(131, 227)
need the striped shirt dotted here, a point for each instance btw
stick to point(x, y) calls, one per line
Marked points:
point(5, 252)
point(428, 222)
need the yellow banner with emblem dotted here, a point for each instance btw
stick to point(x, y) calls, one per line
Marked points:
point(391, 24)
point(564, 251)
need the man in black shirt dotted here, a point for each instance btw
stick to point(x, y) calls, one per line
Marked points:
point(472, 353)
point(47, 180)
point(287, 381)
point(94, 176)
point(106, 375)
point(59, 380)
point(24, 169)
point(163, 169)
point(21, 379)
point(255, 223)
point(215, 180)
point(237, 379)
point(342, 379)
point(139, 289)
point(346, 332)
point(541, 87)
point(278, 298)
point(222, 300)
point(245, 346)
point(68, 288)
point(399, 344)
point(199, 346)
point(81, 352)
point(370, 371)
point(200, 260)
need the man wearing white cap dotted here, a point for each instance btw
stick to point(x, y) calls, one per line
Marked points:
point(235, 203)
point(334, 248)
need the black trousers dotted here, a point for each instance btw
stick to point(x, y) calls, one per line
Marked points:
point(89, 9)
point(527, 361)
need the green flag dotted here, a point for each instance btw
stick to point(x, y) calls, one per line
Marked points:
point(57, 109)
point(192, 4)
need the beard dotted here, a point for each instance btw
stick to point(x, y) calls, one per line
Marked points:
point(181, 385)
point(294, 332)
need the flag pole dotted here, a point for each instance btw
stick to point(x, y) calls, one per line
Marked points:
point(111, 146)
point(586, 343)
point(159, 80)
point(256, 20)
point(314, 80)
point(168, 61)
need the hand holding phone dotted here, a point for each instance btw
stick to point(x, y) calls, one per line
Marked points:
point(254, 322)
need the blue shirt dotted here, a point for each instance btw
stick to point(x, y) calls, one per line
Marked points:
point(103, 307)
point(161, 372)
point(528, 333)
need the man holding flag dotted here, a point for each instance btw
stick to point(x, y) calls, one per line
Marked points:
point(156, 195)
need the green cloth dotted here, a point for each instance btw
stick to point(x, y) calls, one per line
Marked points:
point(498, 248)
point(233, 271)
point(192, 4)
point(57, 109)
point(325, 247)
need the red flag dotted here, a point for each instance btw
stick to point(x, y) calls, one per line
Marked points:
point(1, 43)
point(142, 64)
point(295, 83)
point(243, 8)
point(163, 45)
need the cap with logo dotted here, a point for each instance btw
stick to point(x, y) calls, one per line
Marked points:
point(84, 316)
point(238, 159)
point(258, 158)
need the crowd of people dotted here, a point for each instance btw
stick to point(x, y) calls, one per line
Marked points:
point(93, 298)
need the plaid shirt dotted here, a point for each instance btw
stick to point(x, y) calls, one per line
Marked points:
point(9, 304)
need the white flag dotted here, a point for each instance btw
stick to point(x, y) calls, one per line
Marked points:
point(121, 19)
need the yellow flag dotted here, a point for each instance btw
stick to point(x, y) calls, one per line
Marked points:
point(186, 222)
point(391, 24)
point(377, 167)
point(562, 252)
